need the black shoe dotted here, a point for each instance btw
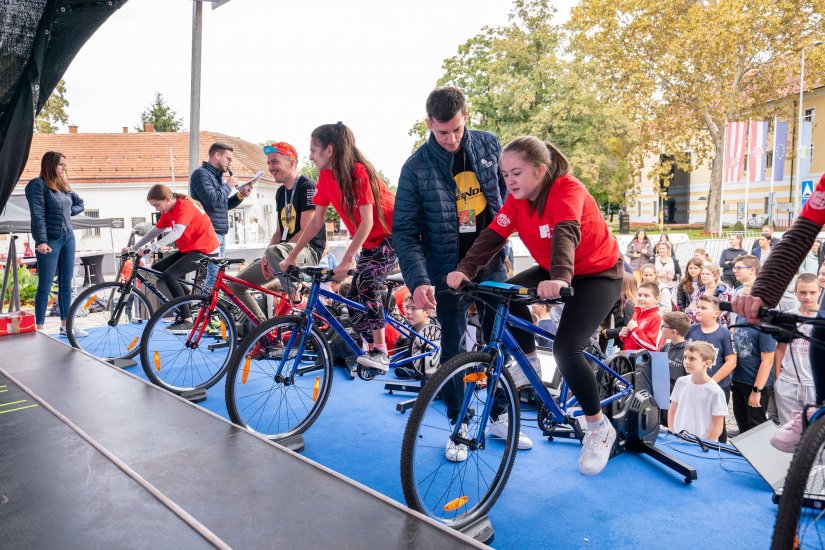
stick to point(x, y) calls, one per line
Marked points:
point(407, 373)
point(181, 327)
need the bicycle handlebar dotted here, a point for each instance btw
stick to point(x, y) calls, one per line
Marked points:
point(511, 291)
point(781, 319)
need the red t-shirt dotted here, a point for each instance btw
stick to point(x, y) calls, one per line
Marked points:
point(568, 201)
point(199, 235)
point(328, 193)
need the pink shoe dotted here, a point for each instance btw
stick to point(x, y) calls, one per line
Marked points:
point(788, 435)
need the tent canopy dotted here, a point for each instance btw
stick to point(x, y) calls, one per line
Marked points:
point(15, 218)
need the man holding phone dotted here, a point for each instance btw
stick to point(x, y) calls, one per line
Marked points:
point(206, 186)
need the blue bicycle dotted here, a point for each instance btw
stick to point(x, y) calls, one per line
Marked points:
point(458, 493)
point(280, 376)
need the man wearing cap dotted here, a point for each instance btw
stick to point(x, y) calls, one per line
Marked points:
point(206, 186)
point(294, 209)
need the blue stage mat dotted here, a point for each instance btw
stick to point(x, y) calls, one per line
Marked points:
point(635, 503)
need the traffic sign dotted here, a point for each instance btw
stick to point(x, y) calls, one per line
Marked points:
point(807, 190)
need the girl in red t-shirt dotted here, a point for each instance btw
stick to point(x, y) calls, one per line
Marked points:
point(351, 185)
point(191, 228)
point(562, 227)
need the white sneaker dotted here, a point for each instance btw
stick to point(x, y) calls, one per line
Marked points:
point(376, 359)
point(498, 428)
point(457, 453)
point(78, 333)
point(596, 451)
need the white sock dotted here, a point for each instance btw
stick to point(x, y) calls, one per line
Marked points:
point(598, 425)
point(382, 347)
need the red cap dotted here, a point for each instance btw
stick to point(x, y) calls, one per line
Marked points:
point(283, 148)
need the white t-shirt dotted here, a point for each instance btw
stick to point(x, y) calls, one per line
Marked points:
point(698, 403)
point(796, 364)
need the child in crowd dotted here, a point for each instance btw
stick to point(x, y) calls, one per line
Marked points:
point(697, 404)
point(642, 332)
point(649, 275)
point(689, 284)
point(620, 315)
point(424, 323)
point(752, 380)
point(544, 320)
point(794, 386)
point(675, 326)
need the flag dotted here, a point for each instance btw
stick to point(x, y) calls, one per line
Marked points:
point(757, 147)
point(734, 151)
point(805, 148)
point(780, 145)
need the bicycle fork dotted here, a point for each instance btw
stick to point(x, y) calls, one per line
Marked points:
point(472, 381)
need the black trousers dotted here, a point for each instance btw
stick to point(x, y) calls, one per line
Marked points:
point(174, 266)
point(748, 417)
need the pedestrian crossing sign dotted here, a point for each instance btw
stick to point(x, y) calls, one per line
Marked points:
point(807, 190)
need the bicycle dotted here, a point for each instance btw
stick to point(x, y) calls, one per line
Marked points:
point(113, 313)
point(280, 376)
point(177, 361)
point(459, 493)
point(796, 527)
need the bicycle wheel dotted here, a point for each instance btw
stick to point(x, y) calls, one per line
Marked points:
point(798, 527)
point(273, 388)
point(177, 362)
point(112, 318)
point(458, 493)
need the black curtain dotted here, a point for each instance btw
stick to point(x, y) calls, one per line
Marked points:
point(39, 40)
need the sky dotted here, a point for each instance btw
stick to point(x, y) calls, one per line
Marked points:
point(275, 70)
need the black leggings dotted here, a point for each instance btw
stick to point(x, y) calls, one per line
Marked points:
point(175, 266)
point(592, 300)
point(817, 355)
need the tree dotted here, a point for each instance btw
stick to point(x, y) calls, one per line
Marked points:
point(53, 112)
point(683, 69)
point(518, 82)
point(161, 116)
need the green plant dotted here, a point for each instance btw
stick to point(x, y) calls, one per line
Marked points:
point(27, 282)
point(738, 226)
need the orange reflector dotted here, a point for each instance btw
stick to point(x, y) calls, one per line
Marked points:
point(316, 388)
point(90, 301)
point(456, 504)
point(223, 330)
point(475, 377)
point(157, 361)
point(133, 343)
point(246, 364)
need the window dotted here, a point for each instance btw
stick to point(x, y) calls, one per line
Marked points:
point(638, 208)
point(809, 114)
point(94, 231)
point(769, 159)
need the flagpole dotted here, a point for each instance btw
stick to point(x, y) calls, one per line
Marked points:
point(771, 198)
point(750, 160)
point(724, 172)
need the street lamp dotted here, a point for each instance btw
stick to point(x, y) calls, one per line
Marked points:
point(799, 129)
point(171, 156)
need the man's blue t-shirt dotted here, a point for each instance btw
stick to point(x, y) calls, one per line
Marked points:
point(750, 345)
point(721, 340)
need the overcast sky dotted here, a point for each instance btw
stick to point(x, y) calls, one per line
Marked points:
point(275, 70)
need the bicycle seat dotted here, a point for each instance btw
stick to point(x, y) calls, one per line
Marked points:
point(396, 279)
point(222, 261)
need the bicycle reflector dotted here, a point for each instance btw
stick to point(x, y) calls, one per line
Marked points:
point(246, 364)
point(157, 361)
point(475, 377)
point(316, 388)
point(455, 504)
point(132, 343)
point(90, 301)
point(223, 330)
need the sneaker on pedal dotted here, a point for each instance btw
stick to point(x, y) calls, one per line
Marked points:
point(787, 436)
point(78, 333)
point(180, 327)
point(213, 328)
point(457, 452)
point(376, 359)
point(598, 444)
point(407, 373)
point(498, 428)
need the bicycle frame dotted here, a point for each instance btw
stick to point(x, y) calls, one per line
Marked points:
point(503, 340)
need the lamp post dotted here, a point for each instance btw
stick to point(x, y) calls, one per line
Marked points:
point(171, 156)
point(799, 129)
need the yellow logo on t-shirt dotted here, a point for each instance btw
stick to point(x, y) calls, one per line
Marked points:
point(469, 201)
point(288, 218)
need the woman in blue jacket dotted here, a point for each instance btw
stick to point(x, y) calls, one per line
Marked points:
point(52, 204)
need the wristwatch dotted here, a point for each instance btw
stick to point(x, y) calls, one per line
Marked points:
point(756, 390)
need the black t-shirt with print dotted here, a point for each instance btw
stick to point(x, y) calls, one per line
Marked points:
point(289, 204)
point(473, 213)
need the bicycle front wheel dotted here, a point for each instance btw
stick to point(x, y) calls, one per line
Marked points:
point(107, 320)
point(279, 378)
point(182, 358)
point(798, 527)
point(450, 490)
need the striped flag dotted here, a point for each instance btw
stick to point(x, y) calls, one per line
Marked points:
point(735, 151)
point(780, 145)
point(757, 149)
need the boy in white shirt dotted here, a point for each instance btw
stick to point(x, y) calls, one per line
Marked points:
point(697, 403)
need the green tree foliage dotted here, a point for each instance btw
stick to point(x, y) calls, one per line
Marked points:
point(161, 116)
point(53, 112)
point(518, 81)
point(683, 69)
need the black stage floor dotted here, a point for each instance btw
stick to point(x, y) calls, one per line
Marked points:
point(91, 456)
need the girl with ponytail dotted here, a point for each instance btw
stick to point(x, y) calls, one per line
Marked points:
point(351, 185)
point(564, 230)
